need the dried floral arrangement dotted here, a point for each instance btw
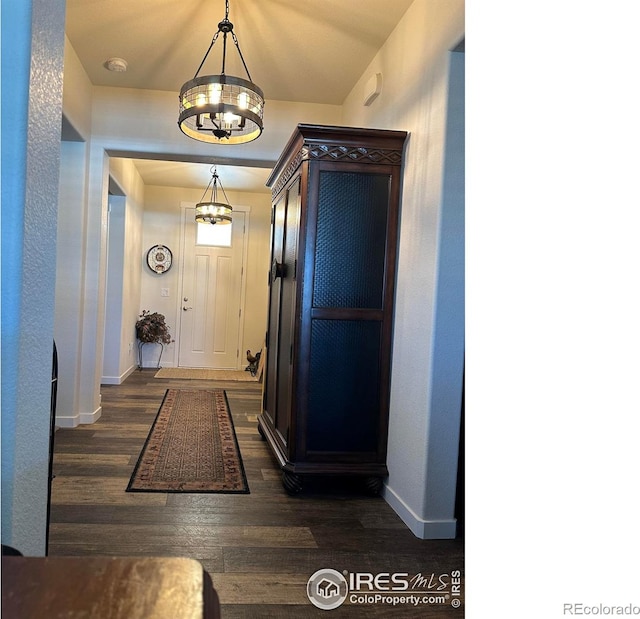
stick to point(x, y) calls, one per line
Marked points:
point(151, 327)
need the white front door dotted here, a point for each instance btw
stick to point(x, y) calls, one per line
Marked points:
point(212, 281)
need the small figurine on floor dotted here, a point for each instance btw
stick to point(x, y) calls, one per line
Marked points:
point(253, 362)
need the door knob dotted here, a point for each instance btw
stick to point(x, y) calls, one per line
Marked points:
point(184, 309)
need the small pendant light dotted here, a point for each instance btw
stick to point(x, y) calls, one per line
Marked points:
point(211, 211)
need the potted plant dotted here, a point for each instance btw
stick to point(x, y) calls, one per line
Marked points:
point(151, 328)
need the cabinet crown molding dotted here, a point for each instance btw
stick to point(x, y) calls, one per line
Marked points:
point(322, 142)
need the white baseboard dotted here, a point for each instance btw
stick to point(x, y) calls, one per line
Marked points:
point(423, 529)
point(69, 421)
point(118, 380)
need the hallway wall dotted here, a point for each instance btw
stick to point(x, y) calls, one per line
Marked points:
point(125, 238)
point(162, 221)
point(428, 349)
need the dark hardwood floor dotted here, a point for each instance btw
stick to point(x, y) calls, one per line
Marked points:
point(260, 548)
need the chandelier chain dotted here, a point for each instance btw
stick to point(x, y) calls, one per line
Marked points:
point(226, 27)
point(244, 64)
point(215, 38)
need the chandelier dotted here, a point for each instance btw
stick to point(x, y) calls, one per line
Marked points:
point(211, 211)
point(221, 108)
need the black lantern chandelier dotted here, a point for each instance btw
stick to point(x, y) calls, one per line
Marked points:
point(211, 211)
point(221, 108)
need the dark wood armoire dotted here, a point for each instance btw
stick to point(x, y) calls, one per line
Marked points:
point(331, 291)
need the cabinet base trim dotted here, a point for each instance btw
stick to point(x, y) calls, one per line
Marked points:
point(366, 469)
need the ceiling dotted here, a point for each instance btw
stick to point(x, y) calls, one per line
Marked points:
point(296, 50)
point(198, 175)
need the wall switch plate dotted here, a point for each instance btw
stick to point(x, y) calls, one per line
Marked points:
point(164, 292)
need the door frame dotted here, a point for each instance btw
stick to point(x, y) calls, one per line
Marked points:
point(243, 284)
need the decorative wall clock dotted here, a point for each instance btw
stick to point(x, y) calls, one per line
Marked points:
point(159, 259)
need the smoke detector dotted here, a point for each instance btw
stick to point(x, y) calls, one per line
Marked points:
point(119, 65)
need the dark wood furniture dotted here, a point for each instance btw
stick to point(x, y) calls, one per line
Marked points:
point(331, 288)
point(114, 587)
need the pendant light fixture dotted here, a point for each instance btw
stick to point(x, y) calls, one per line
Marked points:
point(221, 108)
point(211, 211)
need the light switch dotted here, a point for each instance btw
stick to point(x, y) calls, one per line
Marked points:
point(164, 292)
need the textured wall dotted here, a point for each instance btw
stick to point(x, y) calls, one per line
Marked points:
point(14, 124)
point(36, 160)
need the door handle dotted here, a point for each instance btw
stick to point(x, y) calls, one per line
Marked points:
point(277, 270)
point(184, 309)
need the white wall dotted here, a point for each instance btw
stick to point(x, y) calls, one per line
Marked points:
point(162, 221)
point(69, 305)
point(448, 339)
point(132, 277)
point(425, 412)
point(77, 93)
point(30, 93)
point(116, 256)
point(74, 404)
point(123, 279)
point(126, 120)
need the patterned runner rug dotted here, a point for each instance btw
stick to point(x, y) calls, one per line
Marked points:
point(192, 447)
point(204, 374)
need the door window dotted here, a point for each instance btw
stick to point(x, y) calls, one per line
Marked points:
point(214, 235)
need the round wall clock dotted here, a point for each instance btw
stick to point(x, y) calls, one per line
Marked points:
point(159, 259)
